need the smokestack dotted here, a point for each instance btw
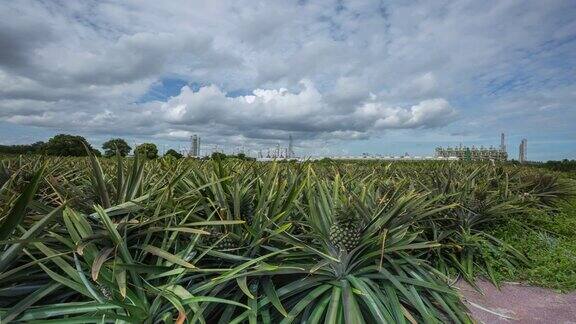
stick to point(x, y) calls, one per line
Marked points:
point(503, 142)
point(195, 147)
point(290, 153)
point(523, 150)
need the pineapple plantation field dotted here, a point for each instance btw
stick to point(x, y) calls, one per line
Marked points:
point(94, 240)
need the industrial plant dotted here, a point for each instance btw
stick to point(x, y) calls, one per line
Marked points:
point(483, 154)
point(474, 153)
point(464, 153)
point(279, 153)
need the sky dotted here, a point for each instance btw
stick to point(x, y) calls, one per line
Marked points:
point(340, 77)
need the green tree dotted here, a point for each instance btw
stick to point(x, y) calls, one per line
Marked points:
point(114, 144)
point(148, 150)
point(68, 145)
point(173, 153)
point(35, 148)
point(244, 157)
point(218, 156)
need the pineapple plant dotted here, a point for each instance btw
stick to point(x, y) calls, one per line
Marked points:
point(479, 202)
point(291, 244)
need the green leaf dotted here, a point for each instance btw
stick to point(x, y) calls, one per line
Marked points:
point(29, 301)
point(200, 299)
point(99, 179)
point(299, 307)
point(244, 287)
point(319, 310)
point(65, 309)
point(167, 256)
point(214, 223)
point(180, 229)
point(11, 253)
point(18, 211)
point(85, 281)
point(335, 305)
point(352, 314)
point(272, 295)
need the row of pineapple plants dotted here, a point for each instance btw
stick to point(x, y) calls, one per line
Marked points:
point(127, 240)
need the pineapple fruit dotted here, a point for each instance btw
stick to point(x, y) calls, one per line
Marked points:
point(346, 231)
point(247, 212)
point(227, 243)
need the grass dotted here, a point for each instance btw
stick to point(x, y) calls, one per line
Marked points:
point(549, 241)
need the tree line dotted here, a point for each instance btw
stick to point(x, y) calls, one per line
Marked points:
point(75, 145)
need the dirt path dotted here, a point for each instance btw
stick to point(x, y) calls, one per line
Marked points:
point(516, 303)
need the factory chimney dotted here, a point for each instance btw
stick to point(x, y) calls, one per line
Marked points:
point(503, 142)
point(523, 150)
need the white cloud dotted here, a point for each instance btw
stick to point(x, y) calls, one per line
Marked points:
point(306, 111)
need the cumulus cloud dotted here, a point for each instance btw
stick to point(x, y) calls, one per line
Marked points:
point(306, 111)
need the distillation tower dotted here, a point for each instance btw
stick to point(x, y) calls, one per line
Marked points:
point(195, 146)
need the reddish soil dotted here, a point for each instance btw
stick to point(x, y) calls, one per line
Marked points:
point(517, 303)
